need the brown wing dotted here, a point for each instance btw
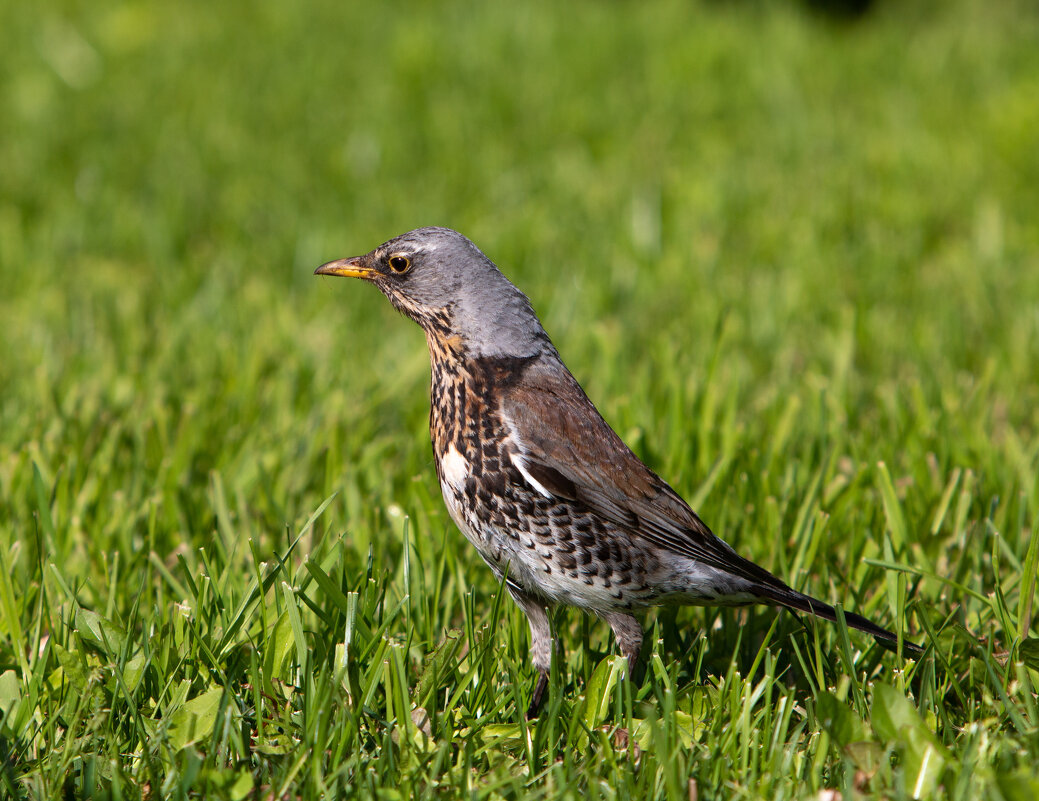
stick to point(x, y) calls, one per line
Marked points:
point(573, 453)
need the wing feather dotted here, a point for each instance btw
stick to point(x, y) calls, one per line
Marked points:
point(571, 451)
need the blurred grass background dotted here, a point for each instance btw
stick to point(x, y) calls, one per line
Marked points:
point(776, 246)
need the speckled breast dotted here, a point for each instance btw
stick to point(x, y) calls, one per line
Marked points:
point(552, 548)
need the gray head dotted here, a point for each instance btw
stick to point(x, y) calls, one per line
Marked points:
point(443, 282)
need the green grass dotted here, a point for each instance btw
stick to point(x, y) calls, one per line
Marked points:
point(792, 259)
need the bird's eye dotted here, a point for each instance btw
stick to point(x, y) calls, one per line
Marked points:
point(400, 264)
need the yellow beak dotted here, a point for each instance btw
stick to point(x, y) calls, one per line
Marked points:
point(351, 268)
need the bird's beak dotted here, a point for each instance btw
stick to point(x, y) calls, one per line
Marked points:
point(351, 268)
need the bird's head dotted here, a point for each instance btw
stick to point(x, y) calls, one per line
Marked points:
point(443, 282)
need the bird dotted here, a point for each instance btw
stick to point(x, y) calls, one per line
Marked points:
point(553, 500)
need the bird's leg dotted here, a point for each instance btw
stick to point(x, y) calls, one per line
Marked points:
point(629, 637)
point(540, 646)
point(537, 698)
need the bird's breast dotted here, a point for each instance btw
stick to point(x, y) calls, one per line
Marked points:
point(552, 547)
point(454, 469)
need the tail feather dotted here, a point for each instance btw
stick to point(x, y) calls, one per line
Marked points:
point(792, 599)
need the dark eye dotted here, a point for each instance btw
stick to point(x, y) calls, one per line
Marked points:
point(400, 264)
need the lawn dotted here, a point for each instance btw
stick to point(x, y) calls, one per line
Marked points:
point(792, 257)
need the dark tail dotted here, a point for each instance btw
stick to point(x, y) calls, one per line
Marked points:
point(792, 599)
point(771, 588)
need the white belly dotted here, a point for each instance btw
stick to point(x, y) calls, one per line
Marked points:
point(527, 566)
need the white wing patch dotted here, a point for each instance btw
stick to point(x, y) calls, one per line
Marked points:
point(517, 461)
point(517, 458)
point(455, 468)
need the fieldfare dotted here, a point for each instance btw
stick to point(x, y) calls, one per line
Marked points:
point(534, 477)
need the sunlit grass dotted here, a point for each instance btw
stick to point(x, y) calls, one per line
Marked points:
point(792, 260)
